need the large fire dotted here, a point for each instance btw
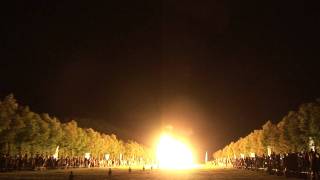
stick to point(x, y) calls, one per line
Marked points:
point(173, 154)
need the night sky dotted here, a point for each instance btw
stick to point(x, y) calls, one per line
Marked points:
point(214, 70)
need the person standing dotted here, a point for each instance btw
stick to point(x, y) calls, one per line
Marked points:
point(313, 158)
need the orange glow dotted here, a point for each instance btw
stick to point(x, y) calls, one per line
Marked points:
point(173, 154)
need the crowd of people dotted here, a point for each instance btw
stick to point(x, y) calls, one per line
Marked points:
point(40, 162)
point(291, 165)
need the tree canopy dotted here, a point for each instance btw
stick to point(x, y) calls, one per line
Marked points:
point(293, 133)
point(23, 131)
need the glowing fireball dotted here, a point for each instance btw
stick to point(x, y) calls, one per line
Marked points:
point(173, 154)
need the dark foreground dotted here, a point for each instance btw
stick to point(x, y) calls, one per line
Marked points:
point(102, 173)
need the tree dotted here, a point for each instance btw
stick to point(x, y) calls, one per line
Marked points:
point(8, 108)
point(26, 134)
point(24, 131)
point(298, 139)
point(285, 144)
point(270, 135)
point(55, 133)
point(309, 117)
point(69, 140)
point(291, 134)
point(257, 146)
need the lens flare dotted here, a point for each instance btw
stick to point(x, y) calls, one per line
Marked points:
point(173, 154)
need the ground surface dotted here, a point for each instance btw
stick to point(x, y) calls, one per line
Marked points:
point(102, 173)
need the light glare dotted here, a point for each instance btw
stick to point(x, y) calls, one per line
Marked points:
point(173, 154)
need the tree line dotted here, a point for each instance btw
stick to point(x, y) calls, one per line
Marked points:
point(298, 131)
point(23, 131)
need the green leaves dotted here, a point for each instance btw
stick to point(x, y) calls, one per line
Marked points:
point(291, 134)
point(8, 108)
point(24, 131)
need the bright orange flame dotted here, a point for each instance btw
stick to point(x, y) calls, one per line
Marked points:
point(173, 154)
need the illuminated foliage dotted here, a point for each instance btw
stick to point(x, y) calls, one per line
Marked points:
point(23, 131)
point(291, 134)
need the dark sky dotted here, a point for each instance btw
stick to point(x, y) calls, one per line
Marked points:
point(214, 70)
